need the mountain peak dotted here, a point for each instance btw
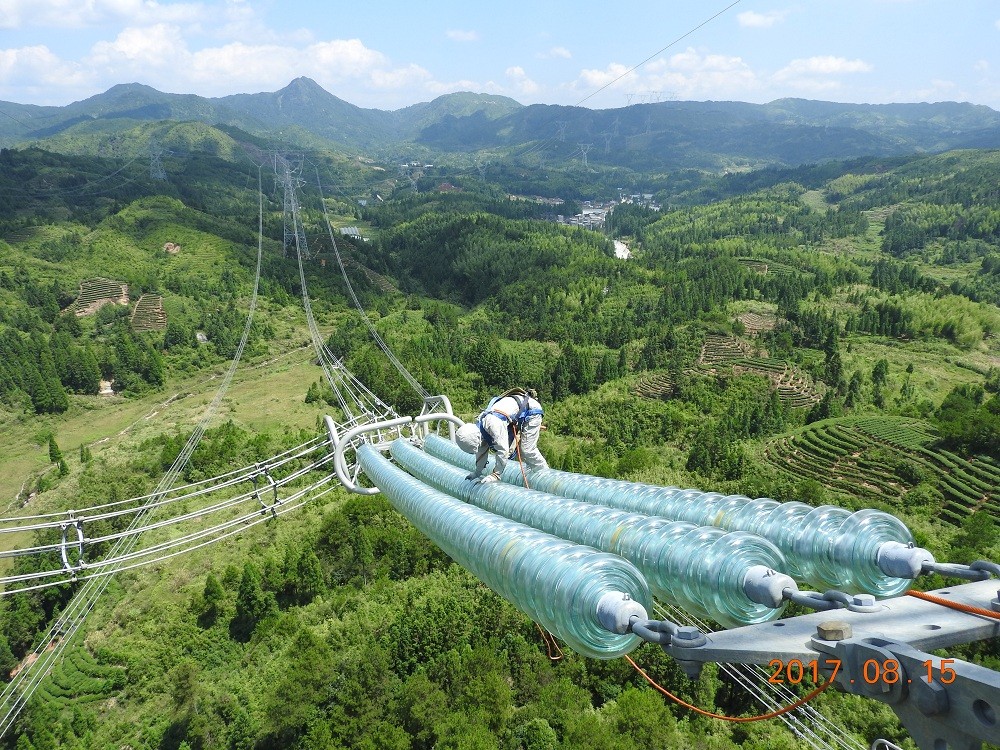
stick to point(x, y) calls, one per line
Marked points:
point(304, 84)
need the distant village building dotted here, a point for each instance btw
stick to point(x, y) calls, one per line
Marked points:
point(593, 214)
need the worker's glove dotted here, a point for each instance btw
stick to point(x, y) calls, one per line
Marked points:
point(494, 477)
point(472, 475)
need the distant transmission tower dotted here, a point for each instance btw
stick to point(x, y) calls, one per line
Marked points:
point(482, 166)
point(561, 124)
point(156, 171)
point(294, 233)
point(607, 141)
point(584, 148)
point(406, 171)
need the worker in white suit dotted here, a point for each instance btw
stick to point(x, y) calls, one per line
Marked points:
point(508, 426)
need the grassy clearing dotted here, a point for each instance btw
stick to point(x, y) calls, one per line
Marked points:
point(935, 364)
point(266, 394)
point(815, 200)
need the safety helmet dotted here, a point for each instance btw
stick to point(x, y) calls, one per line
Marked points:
point(468, 437)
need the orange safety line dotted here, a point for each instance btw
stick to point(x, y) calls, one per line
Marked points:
point(550, 643)
point(972, 610)
point(520, 461)
point(723, 717)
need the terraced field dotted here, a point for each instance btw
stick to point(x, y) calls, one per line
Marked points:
point(793, 386)
point(656, 384)
point(97, 292)
point(765, 266)
point(718, 348)
point(882, 458)
point(149, 314)
point(80, 679)
point(756, 323)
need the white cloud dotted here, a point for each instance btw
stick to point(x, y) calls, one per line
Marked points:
point(217, 70)
point(754, 20)
point(159, 57)
point(591, 78)
point(459, 35)
point(446, 87)
point(37, 74)
point(938, 90)
point(818, 75)
point(399, 79)
point(345, 58)
point(76, 14)
point(35, 66)
point(139, 49)
point(521, 82)
point(686, 75)
point(822, 65)
point(560, 52)
point(694, 75)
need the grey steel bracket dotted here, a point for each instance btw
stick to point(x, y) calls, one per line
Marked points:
point(942, 703)
point(423, 421)
point(883, 655)
point(381, 431)
point(437, 409)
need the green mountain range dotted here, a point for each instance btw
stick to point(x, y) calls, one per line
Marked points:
point(665, 135)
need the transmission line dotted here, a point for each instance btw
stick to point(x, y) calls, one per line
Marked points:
point(64, 629)
point(358, 404)
point(414, 383)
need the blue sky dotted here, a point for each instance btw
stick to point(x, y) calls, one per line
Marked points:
point(394, 53)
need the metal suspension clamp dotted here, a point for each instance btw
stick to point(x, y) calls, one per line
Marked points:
point(76, 523)
point(274, 488)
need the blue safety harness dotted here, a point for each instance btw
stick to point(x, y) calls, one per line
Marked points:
point(514, 422)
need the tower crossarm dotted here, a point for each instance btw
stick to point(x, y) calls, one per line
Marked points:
point(883, 655)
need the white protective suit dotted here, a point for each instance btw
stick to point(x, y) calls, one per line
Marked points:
point(495, 422)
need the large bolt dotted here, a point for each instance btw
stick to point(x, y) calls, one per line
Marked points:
point(688, 636)
point(833, 630)
point(686, 633)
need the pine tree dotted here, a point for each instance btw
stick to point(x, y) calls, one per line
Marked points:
point(55, 455)
point(212, 598)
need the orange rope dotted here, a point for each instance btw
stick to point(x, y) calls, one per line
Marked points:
point(954, 605)
point(520, 461)
point(741, 719)
point(550, 643)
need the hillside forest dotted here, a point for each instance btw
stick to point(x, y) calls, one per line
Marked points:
point(828, 333)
